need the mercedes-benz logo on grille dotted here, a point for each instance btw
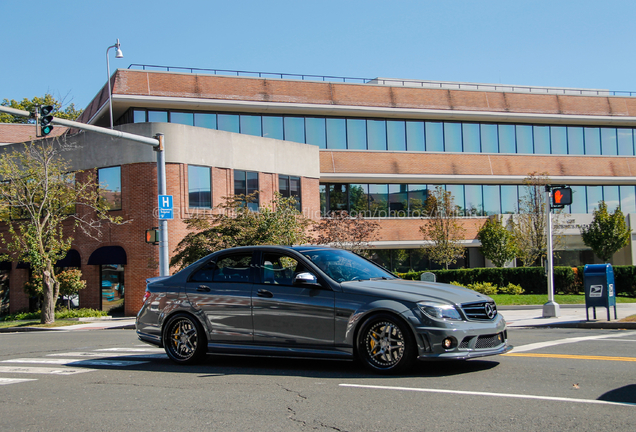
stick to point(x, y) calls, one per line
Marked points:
point(490, 310)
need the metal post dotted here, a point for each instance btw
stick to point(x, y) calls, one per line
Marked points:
point(164, 265)
point(551, 308)
point(110, 100)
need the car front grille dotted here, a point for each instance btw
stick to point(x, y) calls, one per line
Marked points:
point(480, 310)
point(483, 342)
point(489, 341)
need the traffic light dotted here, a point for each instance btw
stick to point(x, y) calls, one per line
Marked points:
point(152, 236)
point(561, 197)
point(45, 119)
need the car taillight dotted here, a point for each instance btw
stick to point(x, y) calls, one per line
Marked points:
point(146, 295)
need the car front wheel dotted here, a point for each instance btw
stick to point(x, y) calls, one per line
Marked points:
point(385, 344)
point(184, 340)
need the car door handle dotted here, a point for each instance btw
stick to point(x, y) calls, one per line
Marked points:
point(265, 293)
point(203, 288)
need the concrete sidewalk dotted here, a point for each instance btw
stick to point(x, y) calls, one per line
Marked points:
point(516, 316)
point(569, 316)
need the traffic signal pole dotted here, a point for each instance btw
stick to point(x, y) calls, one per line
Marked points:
point(551, 309)
point(158, 145)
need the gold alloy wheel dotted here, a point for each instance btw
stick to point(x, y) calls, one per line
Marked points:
point(183, 338)
point(384, 342)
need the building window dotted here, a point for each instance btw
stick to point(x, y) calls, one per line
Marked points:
point(289, 187)
point(109, 180)
point(199, 187)
point(246, 183)
point(355, 133)
point(409, 200)
point(112, 283)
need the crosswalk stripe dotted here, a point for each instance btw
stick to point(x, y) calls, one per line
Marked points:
point(133, 355)
point(43, 370)
point(76, 362)
point(4, 381)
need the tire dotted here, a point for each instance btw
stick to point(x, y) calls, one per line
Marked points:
point(385, 344)
point(184, 340)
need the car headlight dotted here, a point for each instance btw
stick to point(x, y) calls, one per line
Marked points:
point(440, 311)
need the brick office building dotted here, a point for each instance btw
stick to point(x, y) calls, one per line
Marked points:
point(371, 146)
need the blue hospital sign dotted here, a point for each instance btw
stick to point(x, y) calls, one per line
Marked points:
point(166, 211)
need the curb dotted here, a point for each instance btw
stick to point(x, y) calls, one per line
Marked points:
point(608, 325)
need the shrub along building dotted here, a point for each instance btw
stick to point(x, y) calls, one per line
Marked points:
point(376, 147)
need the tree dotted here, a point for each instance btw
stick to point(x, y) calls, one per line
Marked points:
point(607, 234)
point(343, 231)
point(233, 224)
point(42, 203)
point(530, 225)
point(68, 113)
point(497, 242)
point(70, 284)
point(443, 228)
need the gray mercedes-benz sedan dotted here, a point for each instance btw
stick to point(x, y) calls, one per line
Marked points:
point(311, 301)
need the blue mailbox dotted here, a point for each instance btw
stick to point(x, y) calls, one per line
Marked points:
point(599, 288)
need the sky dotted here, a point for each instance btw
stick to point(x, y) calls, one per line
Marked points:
point(60, 46)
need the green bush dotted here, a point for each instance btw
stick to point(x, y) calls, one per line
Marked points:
point(567, 280)
point(484, 288)
point(62, 314)
point(511, 289)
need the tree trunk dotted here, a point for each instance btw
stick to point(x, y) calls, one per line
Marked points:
point(50, 292)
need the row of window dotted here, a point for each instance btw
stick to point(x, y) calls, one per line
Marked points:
point(409, 135)
point(245, 183)
point(382, 200)
point(408, 200)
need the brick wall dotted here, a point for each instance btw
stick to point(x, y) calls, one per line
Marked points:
point(147, 83)
point(473, 164)
point(139, 213)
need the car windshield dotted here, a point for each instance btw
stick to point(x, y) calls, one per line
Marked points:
point(344, 266)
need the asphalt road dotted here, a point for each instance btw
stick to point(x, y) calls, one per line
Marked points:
point(97, 380)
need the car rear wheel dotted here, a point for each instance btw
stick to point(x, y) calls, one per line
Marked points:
point(385, 344)
point(184, 340)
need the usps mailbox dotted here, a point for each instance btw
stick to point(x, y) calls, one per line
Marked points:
point(599, 288)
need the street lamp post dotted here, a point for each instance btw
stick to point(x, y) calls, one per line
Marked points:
point(119, 54)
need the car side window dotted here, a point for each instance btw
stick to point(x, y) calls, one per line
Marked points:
point(204, 274)
point(233, 268)
point(279, 269)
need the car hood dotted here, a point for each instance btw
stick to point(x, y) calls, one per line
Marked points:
point(414, 291)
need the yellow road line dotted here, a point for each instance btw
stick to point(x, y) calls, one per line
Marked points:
point(575, 357)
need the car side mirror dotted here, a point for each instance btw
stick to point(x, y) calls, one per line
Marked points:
point(305, 278)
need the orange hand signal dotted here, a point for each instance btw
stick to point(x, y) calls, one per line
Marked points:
point(558, 196)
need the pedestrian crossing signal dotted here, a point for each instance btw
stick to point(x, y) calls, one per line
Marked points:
point(152, 236)
point(561, 197)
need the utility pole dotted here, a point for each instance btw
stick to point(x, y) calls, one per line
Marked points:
point(157, 143)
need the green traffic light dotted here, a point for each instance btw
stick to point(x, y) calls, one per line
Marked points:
point(46, 130)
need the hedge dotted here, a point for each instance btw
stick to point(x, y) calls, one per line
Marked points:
point(567, 280)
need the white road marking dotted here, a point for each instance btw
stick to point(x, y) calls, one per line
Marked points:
point(133, 349)
point(75, 362)
point(4, 381)
point(110, 354)
point(539, 345)
point(504, 395)
point(42, 370)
